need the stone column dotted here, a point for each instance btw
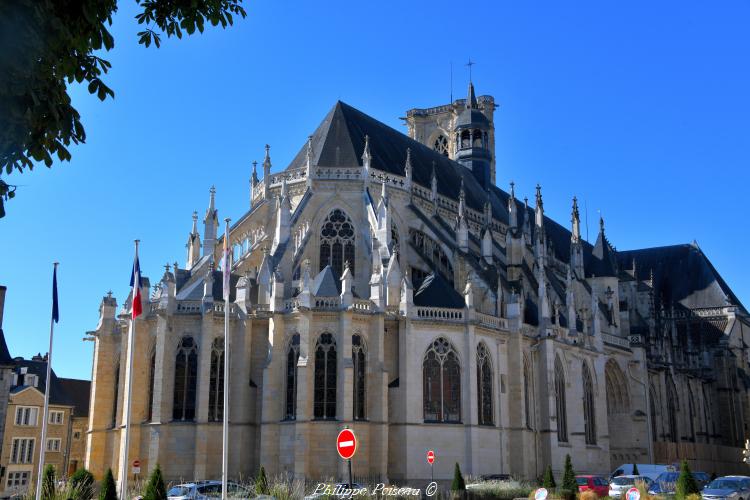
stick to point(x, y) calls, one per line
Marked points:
point(202, 435)
point(470, 408)
point(305, 372)
point(376, 409)
point(273, 397)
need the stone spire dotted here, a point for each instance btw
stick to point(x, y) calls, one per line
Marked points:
point(309, 162)
point(512, 209)
point(347, 283)
point(393, 281)
point(193, 244)
point(487, 210)
point(539, 211)
point(210, 224)
point(570, 301)
point(576, 245)
point(366, 161)
point(462, 229)
point(434, 189)
point(526, 221)
point(283, 217)
point(267, 173)
point(253, 181)
point(407, 170)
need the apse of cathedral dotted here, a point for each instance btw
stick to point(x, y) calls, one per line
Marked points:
point(382, 281)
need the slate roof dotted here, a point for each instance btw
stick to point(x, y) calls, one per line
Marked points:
point(436, 292)
point(682, 273)
point(39, 368)
point(79, 392)
point(5, 358)
point(325, 284)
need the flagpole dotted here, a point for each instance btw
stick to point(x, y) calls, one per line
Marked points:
point(123, 476)
point(47, 389)
point(226, 270)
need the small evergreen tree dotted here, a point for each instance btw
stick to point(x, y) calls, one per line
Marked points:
point(48, 482)
point(635, 470)
point(569, 476)
point(548, 481)
point(82, 485)
point(155, 489)
point(686, 484)
point(458, 485)
point(108, 489)
point(261, 482)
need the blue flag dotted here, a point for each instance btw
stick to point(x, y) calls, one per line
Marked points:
point(55, 310)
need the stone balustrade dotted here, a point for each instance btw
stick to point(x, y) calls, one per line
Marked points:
point(440, 313)
point(491, 321)
point(615, 341)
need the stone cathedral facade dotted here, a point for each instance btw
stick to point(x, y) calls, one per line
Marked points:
point(383, 281)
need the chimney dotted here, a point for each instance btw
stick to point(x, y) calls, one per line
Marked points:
point(3, 288)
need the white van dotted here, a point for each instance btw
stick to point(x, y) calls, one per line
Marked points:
point(651, 471)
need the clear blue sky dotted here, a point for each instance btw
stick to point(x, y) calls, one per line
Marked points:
point(641, 109)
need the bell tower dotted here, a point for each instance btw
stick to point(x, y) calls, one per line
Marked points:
point(438, 128)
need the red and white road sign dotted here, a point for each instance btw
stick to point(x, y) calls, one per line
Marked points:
point(430, 457)
point(346, 444)
point(136, 463)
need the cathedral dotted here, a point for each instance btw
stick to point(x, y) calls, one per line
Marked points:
point(382, 281)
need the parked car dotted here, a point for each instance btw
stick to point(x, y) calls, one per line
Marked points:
point(666, 483)
point(597, 484)
point(620, 484)
point(651, 471)
point(727, 487)
point(203, 490)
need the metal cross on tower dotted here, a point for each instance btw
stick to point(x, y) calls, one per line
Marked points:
point(470, 64)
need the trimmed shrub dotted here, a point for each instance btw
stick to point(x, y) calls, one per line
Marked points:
point(48, 482)
point(261, 482)
point(635, 470)
point(548, 481)
point(686, 484)
point(155, 489)
point(569, 476)
point(108, 490)
point(458, 480)
point(82, 485)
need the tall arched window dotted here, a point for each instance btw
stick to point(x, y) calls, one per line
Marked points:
point(216, 382)
point(527, 388)
point(116, 400)
point(618, 398)
point(292, 357)
point(442, 383)
point(337, 242)
point(185, 378)
point(562, 417)
point(589, 410)
point(324, 404)
point(151, 375)
point(358, 359)
point(484, 385)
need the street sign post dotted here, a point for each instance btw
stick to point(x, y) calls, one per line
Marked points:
point(346, 446)
point(633, 494)
point(540, 494)
point(136, 467)
point(431, 460)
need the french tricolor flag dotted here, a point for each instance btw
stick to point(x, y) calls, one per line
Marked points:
point(135, 282)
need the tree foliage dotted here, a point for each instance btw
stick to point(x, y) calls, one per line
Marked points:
point(261, 482)
point(49, 44)
point(635, 470)
point(155, 489)
point(108, 490)
point(686, 483)
point(569, 476)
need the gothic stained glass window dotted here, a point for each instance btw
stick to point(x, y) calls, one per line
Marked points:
point(116, 400)
point(484, 385)
point(216, 382)
point(441, 145)
point(292, 357)
point(562, 417)
point(324, 402)
point(358, 359)
point(337, 240)
point(441, 382)
point(185, 379)
point(589, 410)
point(151, 374)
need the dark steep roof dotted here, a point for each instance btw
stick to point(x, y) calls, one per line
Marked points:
point(325, 284)
point(436, 292)
point(5, 358)
point(682, 273)
point(39, 368)
point(79, 392)
point(604, 260)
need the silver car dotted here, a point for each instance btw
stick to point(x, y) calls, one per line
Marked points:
point(620, 484)
point(727, 488)
point(204, 490)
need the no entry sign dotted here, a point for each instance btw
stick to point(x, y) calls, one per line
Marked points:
point(346, 444)
point(430, 457)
